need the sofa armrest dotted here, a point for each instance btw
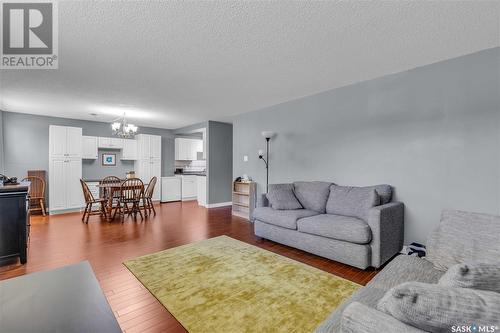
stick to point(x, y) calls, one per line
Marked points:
point(262, 201)
point(387, 226)
point(360, 318)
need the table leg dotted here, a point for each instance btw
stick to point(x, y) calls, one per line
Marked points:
point(110, 206)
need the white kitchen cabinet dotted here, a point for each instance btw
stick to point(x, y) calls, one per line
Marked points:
point(104, 142)
point(89, 147)
point(156, 171)
point(143, 147)
point(180, 149)
point(187, 149)
point(64, 184)
point(147, 169)
point(110, 143)
point(57, 186)
point(148, 164)
point(143, 170)
point(155, 146)
point(188, 187)
point(65, 168)
point(74, 142)
point(74, 193)
point(170, 189)
point(129, 151)
point(148, 146)
point(65, 142)
point(201, 192)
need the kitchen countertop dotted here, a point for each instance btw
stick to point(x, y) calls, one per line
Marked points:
point(191, 174)
point(21, 187)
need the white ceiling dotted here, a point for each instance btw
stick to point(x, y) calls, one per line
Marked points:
point(174, 63)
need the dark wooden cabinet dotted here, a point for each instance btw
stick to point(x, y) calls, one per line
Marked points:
point(14, 221)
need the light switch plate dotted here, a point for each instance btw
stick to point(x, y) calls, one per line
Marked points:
point(245, 158)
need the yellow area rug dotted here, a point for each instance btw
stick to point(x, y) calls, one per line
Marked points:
point(224, 285)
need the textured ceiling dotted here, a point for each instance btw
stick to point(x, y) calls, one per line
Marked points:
point(170, 64)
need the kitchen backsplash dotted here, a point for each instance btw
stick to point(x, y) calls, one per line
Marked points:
point(199, 165)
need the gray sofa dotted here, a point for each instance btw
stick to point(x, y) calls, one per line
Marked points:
point(341, 223)
point(460, 237)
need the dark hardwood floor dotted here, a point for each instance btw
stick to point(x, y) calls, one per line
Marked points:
point(60, 240)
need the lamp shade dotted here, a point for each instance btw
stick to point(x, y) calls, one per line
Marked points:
point(268, 134)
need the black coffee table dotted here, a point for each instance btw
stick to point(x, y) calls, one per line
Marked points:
point(66, 299)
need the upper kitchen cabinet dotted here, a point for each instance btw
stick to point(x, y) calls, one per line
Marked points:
point(129, 151)
point(65, 142)
point(110, 143)
point(148, 146)
point(187, 149)
point(89, 147)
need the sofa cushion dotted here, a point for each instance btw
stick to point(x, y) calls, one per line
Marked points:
point(473, 274)
point(384, 191)
point(435, 308)
point(281, 196)
point(282, 218)
point(339, 227)
point(401, 269)
point(463, 236)
point(352, 201)
point(405, 268)
point(312, 195)
point(359, 318)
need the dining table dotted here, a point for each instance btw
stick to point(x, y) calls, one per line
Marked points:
point(110, 189)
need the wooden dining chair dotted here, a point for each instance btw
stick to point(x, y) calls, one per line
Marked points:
point(89, 201)
point(110, 180)
point(148, 196)
point(131, 192)
point(36, 194)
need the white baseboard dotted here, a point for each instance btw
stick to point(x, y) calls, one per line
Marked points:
point(65, 211)
point(219, 204)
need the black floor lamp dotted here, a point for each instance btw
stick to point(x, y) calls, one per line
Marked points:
point(267, 135)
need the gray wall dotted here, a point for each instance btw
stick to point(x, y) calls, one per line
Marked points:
point(93, 169)
point(219, 158)
point(431, 132)
point(220, 162)
point(26, 145)
point(190, 128)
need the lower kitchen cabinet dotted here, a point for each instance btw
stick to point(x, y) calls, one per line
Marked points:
point(171, 189)
point(201, 191)
point(189, 187)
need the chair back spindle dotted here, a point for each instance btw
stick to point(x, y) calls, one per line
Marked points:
point(110, 180)
point(150, 189)
point(37, 186)
point(131, 190)
point(36, 193)
point(86, 192)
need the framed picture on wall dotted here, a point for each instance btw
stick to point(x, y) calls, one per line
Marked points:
point(109, 159)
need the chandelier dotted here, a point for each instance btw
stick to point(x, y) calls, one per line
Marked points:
point(123, 129)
